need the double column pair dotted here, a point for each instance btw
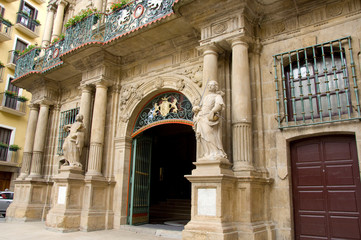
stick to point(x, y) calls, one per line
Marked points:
point(241, 99)
point(37, 126)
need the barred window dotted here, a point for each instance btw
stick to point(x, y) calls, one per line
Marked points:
point(66, 118)
point(5, 135)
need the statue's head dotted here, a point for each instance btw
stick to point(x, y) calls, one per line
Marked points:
point(79, 118)
point(213, 86)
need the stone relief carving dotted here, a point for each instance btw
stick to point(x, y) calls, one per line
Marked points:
point(195, 74)
point(219, 28)
point(180, 85)
point(207, 124)
point(74, 142)
point(159, 83)
point(334, 10)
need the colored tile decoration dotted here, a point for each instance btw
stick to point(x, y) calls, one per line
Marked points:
point(97, 28)
point(170, 107)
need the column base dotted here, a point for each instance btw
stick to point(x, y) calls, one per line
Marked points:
point(196, 230)
point(206, 167)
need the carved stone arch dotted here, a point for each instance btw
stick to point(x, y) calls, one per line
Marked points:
point(147, 90)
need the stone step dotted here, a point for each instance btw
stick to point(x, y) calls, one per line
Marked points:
point(161, 230)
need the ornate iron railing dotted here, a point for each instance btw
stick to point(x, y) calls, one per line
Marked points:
point(167, 107)
point(313, 85)
point(100, 28)
point(28, 62)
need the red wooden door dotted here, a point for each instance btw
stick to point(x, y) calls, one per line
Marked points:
point(326, 188)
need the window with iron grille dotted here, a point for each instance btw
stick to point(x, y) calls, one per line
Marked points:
point(11, 101)
point(315, 84)
point(5, 135)
point(66, 118)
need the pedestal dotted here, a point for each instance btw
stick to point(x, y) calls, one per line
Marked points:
point(213, 205)
point(65, 214)
point(31, 202)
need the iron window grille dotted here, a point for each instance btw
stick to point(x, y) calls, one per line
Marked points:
point(66, 118)
point(5, 135)
point(315, 84)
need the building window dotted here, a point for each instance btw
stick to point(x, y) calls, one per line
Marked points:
point(27, 15)
point(66, 118)
point(5, 135)
point(316, 84)
point(322, 73)
point(11, 101)
point(19, 47)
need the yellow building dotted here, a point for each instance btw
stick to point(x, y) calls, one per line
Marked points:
point(20, 29)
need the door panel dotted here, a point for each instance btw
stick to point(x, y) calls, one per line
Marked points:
point(326, 188)
point(140, 181)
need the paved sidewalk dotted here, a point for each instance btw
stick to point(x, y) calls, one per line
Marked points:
point(37, 231)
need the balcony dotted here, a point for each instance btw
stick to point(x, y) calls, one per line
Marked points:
point(8, 157)
point(12, 59)
point(12, 104)
point(27, 25)
point(96, 28)
point(5, 30)
point(39, 1)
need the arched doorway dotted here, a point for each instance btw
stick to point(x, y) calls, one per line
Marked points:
point(163, 150)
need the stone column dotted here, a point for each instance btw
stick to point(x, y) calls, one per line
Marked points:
point(210, 64)
point(85, 104)
point(98, 4)
point(29, 141)
point(58, 23)
point(97, 131)
point(39, 142)
point(48, 26)
point(241, 107)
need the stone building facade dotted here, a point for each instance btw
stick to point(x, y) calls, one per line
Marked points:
point(288, 72)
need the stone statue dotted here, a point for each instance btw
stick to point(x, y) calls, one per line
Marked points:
point(207, 124)
point(74, 142)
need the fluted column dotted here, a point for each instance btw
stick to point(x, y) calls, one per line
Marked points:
point(29, 140)
point(48, 26)
point(85, 104)
point(241, 107)
point(210, 64)
point(97, 131)
point(58, 24)
point(39, 142)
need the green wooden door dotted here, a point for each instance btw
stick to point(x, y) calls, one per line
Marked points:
point(140, 181)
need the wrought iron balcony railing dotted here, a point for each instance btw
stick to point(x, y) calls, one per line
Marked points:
point(12, 59)
point(97, 28)
point(7, 156)
point(12, 104)
point(316, 85)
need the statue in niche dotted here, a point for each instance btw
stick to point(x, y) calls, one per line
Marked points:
point(207, 124)
point(74, 142)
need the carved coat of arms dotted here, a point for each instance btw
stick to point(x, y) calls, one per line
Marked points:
point(165, 107)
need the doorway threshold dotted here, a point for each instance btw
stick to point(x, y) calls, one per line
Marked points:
point(160, 230)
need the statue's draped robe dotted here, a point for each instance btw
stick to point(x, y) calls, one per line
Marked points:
point(209, 132)
point(73, 143)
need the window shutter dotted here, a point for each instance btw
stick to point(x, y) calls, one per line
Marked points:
point(35, 14)
point(21, 5)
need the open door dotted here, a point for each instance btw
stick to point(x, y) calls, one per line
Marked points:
point(140, 181)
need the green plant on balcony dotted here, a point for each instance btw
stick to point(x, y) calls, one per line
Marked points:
point(22, 99)
point(36, 22)
point(14, 147)
point(118, 5)
point(11, 94)
point(24, 14)
point(55, 40)
point(27, 49)
point(3, 145)
point(6, 22)
point(82, 15)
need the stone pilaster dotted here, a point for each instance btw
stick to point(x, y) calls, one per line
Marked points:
point(48, 26)
point(58, 23)
point(241, 107)
point(97, 131)
point(39, 142)
point(29, 141)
